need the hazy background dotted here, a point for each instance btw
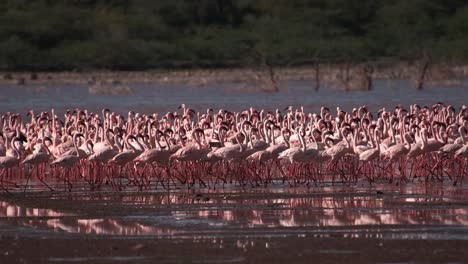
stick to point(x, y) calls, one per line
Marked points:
point(143, 34)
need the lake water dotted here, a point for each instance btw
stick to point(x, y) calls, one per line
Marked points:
point(231, 96)
point(410, 223)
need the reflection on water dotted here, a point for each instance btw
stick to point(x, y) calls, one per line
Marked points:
point(10, 210)
point(103, 227)
point(353, 212)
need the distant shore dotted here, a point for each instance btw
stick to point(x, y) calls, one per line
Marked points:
point(351, 75)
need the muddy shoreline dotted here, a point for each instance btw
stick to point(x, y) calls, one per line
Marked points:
point(337, 75)
point(321, 250)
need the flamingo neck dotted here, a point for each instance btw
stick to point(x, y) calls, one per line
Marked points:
point(423, 141)
point(156, 140)
point(377, 143)
point(303, 143)
point(117, 143)
point(285, 139)
point(140, 146)
point(76, 147)
point(266, 136)
point(167, 142)
point(239, 141)
point(127, 140)
point(15, 149)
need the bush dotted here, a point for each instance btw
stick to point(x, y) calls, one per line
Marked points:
point(139, 34)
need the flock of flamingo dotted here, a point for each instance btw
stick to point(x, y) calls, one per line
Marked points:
point(248, 148)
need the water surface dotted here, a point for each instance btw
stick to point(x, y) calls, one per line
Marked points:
point(232, 96)
point(242, 221)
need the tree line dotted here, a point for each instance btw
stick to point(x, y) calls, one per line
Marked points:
point(146, 34)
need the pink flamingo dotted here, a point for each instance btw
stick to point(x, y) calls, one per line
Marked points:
point(67, 161)
point(37, 159)
point(9, 161)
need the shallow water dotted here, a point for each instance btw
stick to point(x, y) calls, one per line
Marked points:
point(277, 208)
point(232, 96)
point(276, 217)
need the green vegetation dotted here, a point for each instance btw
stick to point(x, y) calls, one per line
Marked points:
point(140, 35)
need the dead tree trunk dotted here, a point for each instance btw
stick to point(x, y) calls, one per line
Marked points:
point(273, 79)
point(424, 68)
point(367, 82)
point(267, 77)
point(317, 76)
point(344, 76)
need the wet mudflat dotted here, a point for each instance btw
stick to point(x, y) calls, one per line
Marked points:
point(410, 223)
